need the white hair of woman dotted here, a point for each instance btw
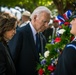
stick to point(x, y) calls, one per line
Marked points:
point(39, 10)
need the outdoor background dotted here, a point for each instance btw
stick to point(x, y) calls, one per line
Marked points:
point(56, 6)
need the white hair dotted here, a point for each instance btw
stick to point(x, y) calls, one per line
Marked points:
point(40, 9)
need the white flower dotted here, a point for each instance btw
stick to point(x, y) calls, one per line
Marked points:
point(61, 31)
point(46, 54)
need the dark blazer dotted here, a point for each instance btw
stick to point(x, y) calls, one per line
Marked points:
point(48, 32)
point(67, 61)
point(25, 54)
point(6, 64)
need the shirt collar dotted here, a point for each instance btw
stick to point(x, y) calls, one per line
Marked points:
point(33, 29)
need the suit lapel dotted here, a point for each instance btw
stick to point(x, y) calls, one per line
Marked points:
point(43, 42)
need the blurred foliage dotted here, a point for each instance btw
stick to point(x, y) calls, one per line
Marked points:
point(64, 5)
point(60, 5)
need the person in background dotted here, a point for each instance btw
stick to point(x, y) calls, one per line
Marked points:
point(48, 32)
point(29, 42)
point(7, 31)
point(25, 18)
point(55, 28)
point(67, 60)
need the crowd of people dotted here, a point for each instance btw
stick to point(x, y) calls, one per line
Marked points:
point(22, 41)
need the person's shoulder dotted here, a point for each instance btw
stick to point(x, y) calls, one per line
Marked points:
point(71, 45)
point(69, 51)
point(23, 28)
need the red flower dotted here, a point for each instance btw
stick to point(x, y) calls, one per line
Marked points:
point(41, 71)
point(51, 68)
point(56, 21)
point(66, 23)
point(58, 39)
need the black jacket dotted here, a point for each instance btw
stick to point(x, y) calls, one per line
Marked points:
point(6, 64)
point(24, 51)
point(47, 33)
point(67, 60)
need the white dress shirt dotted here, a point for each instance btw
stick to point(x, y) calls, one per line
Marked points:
point(33, 31)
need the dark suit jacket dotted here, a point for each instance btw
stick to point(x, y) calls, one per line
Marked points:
point(25, 54)
point(6, 63)
point(48, 32)
point(67, 61)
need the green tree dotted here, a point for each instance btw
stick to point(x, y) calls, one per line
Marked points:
point(63, 5)
point(60, 5)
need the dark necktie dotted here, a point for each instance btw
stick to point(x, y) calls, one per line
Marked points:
point(37, 42)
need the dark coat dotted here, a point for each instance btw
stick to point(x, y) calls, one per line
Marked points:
point(67, 61)
point(25, 54)
point(6, 64)
point(47, 33)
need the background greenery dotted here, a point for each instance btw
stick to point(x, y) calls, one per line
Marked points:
point(60, 5)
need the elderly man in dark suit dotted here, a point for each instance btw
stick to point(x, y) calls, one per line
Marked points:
point(25, 46)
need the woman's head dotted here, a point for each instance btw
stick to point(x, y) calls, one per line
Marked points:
point(7, 27)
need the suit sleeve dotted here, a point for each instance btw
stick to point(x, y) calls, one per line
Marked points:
point(67, 62)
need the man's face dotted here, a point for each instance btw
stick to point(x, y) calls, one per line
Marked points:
point(9, 34)
point(55, 24)
point(41, 21)
point(25, 18)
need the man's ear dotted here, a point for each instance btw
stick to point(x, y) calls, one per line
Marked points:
point(35, 17)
